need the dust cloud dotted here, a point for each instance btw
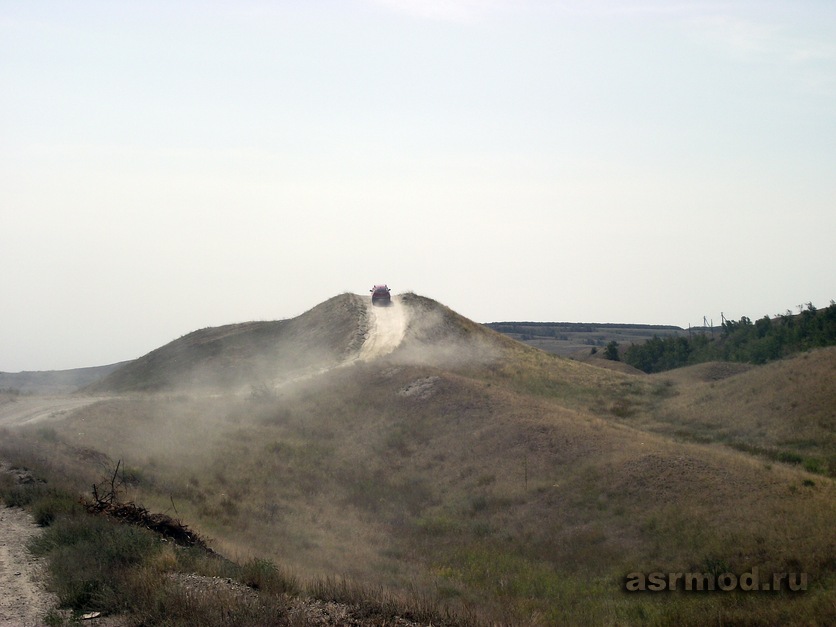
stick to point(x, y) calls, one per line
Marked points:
point(21, 410)
point(386, 330)
point(277, 437)
point(438, 337)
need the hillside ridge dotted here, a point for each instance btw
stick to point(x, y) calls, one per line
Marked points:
point(339, 331)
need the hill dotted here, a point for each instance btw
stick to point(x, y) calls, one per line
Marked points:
point(250, 353)
point(413, 450)
point(337, 332)
point(53, 381)
point(782, 411)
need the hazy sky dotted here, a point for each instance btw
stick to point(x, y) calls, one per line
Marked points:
point(173, 165)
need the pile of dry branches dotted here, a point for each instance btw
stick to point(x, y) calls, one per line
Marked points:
point(105, 502)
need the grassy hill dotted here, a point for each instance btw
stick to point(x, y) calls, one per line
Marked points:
point(53, 381)
point(247, 354)
point(782, 411)
point(503, 482)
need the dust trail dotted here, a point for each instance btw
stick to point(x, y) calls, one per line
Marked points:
point(30, 409)
point(386, 330)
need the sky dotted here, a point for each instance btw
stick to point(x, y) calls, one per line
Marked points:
point(171, 165)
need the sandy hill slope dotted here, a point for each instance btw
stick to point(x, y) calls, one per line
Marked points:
point(428, 455)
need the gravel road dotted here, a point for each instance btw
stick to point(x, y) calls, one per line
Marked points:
point(23, 600)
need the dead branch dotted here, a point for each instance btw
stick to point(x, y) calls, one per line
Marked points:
point(105, 502)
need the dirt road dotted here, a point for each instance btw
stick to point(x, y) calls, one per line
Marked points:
point(23, 600)
point(387, 326)
point(21, 410)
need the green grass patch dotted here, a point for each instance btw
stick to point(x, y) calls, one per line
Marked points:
point(789, 457)
point(88, 558)
point(517, 588)
point(49, 507)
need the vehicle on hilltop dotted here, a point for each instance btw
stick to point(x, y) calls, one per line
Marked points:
point(381, 295)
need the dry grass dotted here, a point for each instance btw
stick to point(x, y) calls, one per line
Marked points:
point(450, 494)
point(246, 354)
point(783, 411)
point(517, 487)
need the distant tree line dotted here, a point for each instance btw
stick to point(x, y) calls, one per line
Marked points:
point(744, 341)
point(554, 329)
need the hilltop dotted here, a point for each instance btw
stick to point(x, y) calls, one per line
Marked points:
point(413, 450)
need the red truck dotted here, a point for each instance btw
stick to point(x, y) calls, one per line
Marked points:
point(381, 295)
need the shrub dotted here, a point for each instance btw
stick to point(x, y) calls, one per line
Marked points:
point(814, 465)
point(788, 457)
point(88, 558)
point(478, 504)
point(264, 575)
point(47, 509)
point(21, 495)
point(623, 408)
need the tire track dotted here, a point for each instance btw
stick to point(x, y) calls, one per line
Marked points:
point(387, 327)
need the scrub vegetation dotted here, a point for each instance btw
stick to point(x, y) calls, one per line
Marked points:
point(756, 342)
point(463, 478)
